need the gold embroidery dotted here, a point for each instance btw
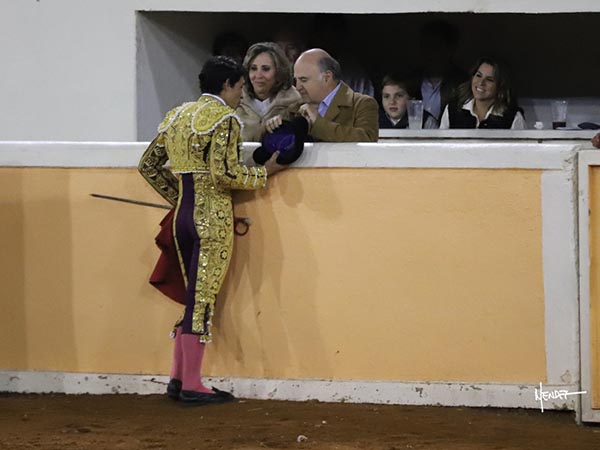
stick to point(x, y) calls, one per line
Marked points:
point(160, 178)
point(213, 217)
point(225, 168)
point(203, 136)
point(177, 249)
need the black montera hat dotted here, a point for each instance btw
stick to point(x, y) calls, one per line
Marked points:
point(288, 139)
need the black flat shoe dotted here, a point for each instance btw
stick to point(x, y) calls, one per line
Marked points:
point(201, 398)
point(223, 394)
point(174, 389)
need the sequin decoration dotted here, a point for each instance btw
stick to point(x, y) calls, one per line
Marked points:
point(203, 138)
point(160, 178)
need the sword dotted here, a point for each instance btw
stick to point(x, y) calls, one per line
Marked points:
point(245, 221)
point(133, 202)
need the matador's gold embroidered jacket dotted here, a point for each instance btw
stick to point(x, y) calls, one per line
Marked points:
point(199, 136)
point(203, 138)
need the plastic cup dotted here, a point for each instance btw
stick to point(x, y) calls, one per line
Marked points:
point(559, 113)
point(415, 114)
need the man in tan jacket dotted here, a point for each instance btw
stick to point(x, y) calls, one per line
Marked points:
point(334, 111)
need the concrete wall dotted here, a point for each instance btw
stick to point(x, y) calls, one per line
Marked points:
point(377, 274)
point(589, 292)
point(427, 265)
point(69, 71)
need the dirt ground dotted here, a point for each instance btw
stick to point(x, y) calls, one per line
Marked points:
point(155, 422)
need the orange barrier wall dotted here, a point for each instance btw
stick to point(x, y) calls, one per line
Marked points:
point(594, 356)
point(365, 274)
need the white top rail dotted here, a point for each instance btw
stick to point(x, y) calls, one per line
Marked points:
point(406, 153)
point(374, 6)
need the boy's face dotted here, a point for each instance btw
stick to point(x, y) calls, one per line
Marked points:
point(394, 100)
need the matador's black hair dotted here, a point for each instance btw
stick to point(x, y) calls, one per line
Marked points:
point(218, 70)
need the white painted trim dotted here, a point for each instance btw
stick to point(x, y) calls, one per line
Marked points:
point(554, 155)
point(538, 135)
point(441, 154)
point(559, 247)
point(586, 159)
point(70, 154)
point(373, 6)
point(497, 395)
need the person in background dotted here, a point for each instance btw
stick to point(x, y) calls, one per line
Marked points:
point(202, 140)
point(331, 31)
point(291, 42)
point(230, 44)
point(596, 141)
point(394, 103)
point(268, 91)
point(485, 101)
point(438, 77)
point(335, 112)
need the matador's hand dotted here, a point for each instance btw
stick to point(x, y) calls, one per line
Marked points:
point(273, 166)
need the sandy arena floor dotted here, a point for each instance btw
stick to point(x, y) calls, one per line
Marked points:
point(155, 422)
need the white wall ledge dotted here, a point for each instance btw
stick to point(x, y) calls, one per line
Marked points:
point(471, 394)
point(406, 153)
point(378, 6)
point(538, 135)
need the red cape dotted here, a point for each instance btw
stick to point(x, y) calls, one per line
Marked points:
point(166, 276)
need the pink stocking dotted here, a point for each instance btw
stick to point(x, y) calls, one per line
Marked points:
point(177, 367)
point(193, 353)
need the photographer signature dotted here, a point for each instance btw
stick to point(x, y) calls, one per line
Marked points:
point(557, 394)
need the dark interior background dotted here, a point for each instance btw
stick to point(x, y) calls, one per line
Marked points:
point(550, 55)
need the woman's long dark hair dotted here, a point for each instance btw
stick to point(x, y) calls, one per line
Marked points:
point(504, 96)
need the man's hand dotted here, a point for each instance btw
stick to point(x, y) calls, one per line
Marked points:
point(596, 141)
point(309, 112)
point(272, 166)
point(273, 123)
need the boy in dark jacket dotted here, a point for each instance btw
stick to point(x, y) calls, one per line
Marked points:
point(394, 102)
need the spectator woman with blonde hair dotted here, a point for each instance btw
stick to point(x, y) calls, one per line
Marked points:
point(268, 91)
